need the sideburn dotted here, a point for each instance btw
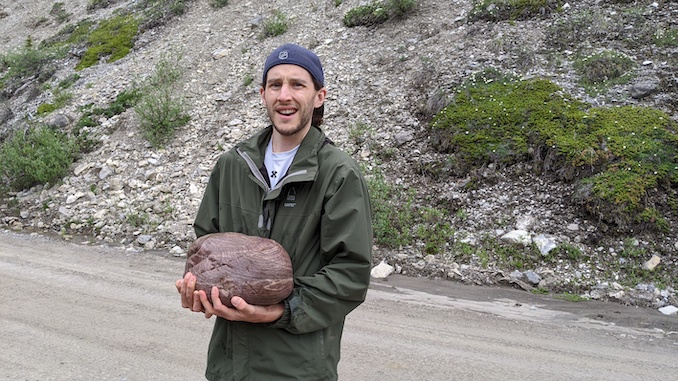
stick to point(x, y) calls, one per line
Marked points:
point(319, 112)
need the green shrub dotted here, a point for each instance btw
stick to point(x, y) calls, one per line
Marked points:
point(218, 3)
point(603, 70)
point(159, 109)
point(68, 81)
point(501, 10)
point(26, 64)
point(36, 156)
point(124, 100)
point(398, 222)
point(378, 12)
point(99, 4)
point(391, 224)
point(70, 35)
point(666, 38)
point(59, 13)
point(160, 12)
point(366, 15)
point(61, 98)
point(401, 8)
point(274, 25)
point(113, 38)
point(565, 251)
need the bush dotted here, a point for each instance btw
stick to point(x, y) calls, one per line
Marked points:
point(59, 13)
point(398, 222)
point(36, 156)
point(24, 64)
point(378, 12)
point(603, 70)
point(160, 112)
point(501, 10)
point(666, 38)
point(218, 3)
point(274, 25)
point(160, 12)
point(366, 15)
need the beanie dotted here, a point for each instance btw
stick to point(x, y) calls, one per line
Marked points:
point(295, 55)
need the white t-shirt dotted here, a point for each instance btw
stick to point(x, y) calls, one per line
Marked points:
point(277, 163)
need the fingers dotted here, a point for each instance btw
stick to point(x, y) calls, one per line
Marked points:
point(201, 299)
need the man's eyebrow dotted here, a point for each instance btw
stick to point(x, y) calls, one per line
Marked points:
point(291, 79)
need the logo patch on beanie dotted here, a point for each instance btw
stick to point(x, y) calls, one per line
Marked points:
point(283, 55)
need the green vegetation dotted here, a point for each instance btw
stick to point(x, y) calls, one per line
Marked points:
point(59, 13)
point(36, 156)
point(159, 109)
point(113, 38)
point(502, 10)
point(398, 221)
point(97, 4)
point(571, 297)
point(566, 251)
point(617, 155)
point(160, 12)
point(378, 12)
point(218, 3)
point(90, 114)
point(60, 98)
point(600, 71)
point(569, 32)
point(71, 35)
point(666, 38)
point(275, 25)
point(27, 63)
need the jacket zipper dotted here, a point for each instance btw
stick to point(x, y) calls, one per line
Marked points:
point(265, 216)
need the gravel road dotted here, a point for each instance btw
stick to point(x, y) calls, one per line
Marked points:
point(75, 312)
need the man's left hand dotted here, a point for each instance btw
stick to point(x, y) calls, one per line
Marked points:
point(241, 311)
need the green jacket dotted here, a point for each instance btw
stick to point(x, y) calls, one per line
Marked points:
point(320, 213)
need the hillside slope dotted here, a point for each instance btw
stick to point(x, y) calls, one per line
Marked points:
point(383, 84)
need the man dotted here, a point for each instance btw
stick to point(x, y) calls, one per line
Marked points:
point(290, 184)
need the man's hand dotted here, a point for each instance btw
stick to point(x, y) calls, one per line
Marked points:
point(241, 311)
point(189, 296)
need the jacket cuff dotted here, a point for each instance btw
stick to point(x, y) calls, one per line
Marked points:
point(284, 320)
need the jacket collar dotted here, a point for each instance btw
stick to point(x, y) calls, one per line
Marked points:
point(306, 158)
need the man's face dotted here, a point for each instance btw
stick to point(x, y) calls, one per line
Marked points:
point(289, 97)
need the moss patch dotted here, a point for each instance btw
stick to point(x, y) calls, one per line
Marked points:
point(600, 71)
point(113, 38)
point(624, 159)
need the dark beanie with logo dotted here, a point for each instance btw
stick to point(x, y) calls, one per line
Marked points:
point(291, 54)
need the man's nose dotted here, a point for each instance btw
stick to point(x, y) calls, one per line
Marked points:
point(285, 92)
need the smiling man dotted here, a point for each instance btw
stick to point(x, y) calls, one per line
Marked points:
point(288, 183)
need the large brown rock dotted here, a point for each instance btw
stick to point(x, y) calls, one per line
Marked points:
point(256, 269)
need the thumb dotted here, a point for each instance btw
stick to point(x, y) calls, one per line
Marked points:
point(238, 302)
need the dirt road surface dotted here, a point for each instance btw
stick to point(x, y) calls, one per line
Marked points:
point(74, 312)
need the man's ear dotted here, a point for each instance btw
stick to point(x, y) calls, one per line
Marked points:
point(320, 97)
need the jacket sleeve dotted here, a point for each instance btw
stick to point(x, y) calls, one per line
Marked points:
point(326, 297)
point(207, 218)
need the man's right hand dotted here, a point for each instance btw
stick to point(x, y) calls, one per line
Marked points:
point(190, 298)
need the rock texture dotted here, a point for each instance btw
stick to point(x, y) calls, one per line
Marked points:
point(256, 269)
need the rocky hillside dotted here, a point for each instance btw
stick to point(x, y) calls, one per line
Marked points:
point(384, 83)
